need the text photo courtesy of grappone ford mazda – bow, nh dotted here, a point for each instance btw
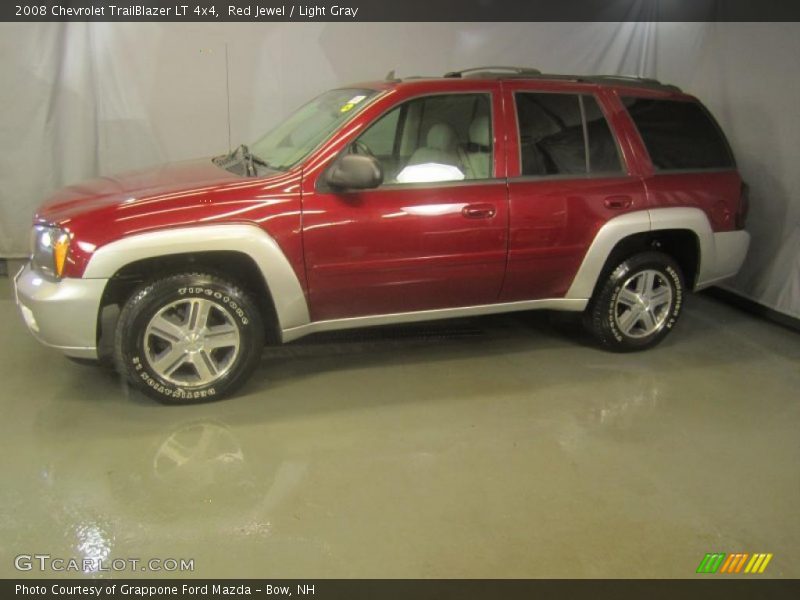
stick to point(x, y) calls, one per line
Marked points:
point(111, 590)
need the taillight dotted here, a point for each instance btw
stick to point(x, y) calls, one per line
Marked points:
point(744, 206)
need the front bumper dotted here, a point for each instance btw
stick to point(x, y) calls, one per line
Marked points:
point(60, 314)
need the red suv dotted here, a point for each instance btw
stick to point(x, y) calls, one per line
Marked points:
point(483, 191)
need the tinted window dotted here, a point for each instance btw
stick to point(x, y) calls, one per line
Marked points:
point(554, 138)
point(432, 139)
point(679, 135)
point(603, 154)
point(550, 134)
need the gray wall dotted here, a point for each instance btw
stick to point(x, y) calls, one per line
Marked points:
point(84, 99)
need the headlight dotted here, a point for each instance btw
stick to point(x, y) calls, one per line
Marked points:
point(49, 248)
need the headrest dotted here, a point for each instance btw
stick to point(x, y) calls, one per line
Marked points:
point(442, 136)
point(479, 132)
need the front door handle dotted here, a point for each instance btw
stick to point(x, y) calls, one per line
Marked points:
point(618, 202)
point(479, 211)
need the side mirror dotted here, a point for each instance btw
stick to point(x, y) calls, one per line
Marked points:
point(355, 172)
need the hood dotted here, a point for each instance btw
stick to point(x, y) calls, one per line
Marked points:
point(133, 187)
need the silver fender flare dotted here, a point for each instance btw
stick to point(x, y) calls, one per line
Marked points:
point(279, 276)
point(644, 221)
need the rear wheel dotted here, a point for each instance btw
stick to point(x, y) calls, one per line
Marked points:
point(638, 304)
point(188, 338)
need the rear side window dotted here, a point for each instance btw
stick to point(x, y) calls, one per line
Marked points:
point(679, 135)
point(564, 134)
point(603, 154)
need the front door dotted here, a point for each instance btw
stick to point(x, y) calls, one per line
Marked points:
point(434, 234)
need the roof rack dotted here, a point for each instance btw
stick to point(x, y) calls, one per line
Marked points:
point(635, 78)
point(630, 80)
point(528, 73)
point(515, 70)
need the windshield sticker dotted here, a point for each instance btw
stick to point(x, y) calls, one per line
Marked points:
point(351, 103)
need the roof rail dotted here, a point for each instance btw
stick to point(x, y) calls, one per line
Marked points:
point(515, 70)
point(621, 80)
point(529, 73)
point(630, 80)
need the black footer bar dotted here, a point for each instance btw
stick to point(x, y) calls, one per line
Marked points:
point(708, 588)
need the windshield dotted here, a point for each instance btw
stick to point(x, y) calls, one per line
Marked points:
point(292, 140)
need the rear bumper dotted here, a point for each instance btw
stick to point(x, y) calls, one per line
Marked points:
point(60, 314)
point(725, 259)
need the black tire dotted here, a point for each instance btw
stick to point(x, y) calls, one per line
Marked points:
point(134, 354)
point(607, 317)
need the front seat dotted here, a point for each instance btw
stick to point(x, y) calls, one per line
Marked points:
point(437, 160)
point(441, 147)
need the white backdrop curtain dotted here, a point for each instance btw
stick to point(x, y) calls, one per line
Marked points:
point(82, 99)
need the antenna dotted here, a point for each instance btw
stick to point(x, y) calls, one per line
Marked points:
point(228, 94)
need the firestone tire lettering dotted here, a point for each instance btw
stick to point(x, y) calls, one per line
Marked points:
point(147, 300)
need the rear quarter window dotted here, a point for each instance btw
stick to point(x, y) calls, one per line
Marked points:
point(679, 135)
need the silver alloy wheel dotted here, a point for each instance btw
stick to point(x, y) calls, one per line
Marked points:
point(191, 342)
point(643, 304)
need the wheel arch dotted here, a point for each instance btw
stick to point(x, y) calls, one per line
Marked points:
point(233, 264)
point(242, 251)
point(683, 233)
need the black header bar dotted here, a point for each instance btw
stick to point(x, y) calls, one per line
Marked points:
point(400, 10)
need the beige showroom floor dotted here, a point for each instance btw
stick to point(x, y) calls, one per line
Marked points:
point(498, 447)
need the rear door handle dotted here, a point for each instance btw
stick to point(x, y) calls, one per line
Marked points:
point(618, 202)
point(479, 211)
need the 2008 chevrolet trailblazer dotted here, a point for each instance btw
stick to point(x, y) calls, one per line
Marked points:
point(483, 191)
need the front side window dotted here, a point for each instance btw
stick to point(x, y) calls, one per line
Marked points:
point(310, 125)
point(564, 134)
point(432, 139)
point(679, 135)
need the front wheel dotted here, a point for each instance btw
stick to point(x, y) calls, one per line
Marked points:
point(188, 338)
point(638, 304)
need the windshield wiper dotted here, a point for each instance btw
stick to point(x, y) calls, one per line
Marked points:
point(260, 161)
point(251, 160)
point(242, 153)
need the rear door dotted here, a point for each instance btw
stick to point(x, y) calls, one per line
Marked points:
point(568, 175)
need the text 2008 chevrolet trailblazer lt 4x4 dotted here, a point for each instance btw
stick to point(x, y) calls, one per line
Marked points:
point(484, 191)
